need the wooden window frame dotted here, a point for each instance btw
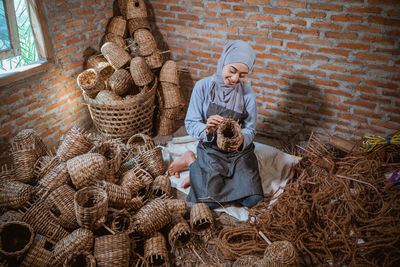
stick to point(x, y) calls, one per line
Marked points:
point(11, 20)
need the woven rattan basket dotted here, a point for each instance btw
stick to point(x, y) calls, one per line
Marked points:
point(201, 219)
point(133, 183)
point(164, 125)
point(229, 133)
point(91, 205)
point(246, 261)
point(146, 44)
point(177, 207)
point(145, 223)
point(179, 233)
point(121, 82)
point(154, 161)
point(101, 65)
point(29, 138)
point(24, 159)
point(128, 117)
point(117, 26)
point(38, 254)
point(176, 113)
point(140, 71)
point(15, 238)
point(90, 82)
point(161, 186)
point(106, 97)
point(282, 252)
point(118, 196)
point(112, 153)
point(140, 143)
point(169, 72)
point(85, 169)
point(112, 250)
point(171, 95)
point(79, 240)
point(55, 178)
point(138, 23)
point(155, 250)
point(120, 221)
point(155, 60)
point(81, 259)
point(116, 39)
point(135, 9)
point(44, 165)
point(76, 142)
point(10, 215)
point(14, 194)
point(116, 55)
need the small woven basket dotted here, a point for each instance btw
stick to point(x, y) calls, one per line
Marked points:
point(116, 39)
point(29, 138)
point(144, 221)
point(101, 65)
point(138, 23)
point(246, 261)
point(179, 233)
point(112, 153)
point(282, 252)
point(177, 207)
point(164, 125)
point(120, 221)
point(106, 97)
point(201, 219)
point(121, 82)
point(76, 142)
point(44, 165)
point(15, 238)
point(146, 44)
point(135, 9)
point(155, 250)
point(117, 26)
point(55, 178)
point(24, 159)
point(155, 60)
point(133, 183)
point(161, 186)
point(115, 54)
point(90, 82)
point(140, 143)
point(154, 161)
point(118, 196)
point(171, 95)
point(14, 194)
point(81, 259)
point(61, 203)
point(91, 205)
point(37, 255)
point(169, 72)
point(86, 169)
point(229, 133)
point(80, 239)
point(112, 250)
point(140, 71)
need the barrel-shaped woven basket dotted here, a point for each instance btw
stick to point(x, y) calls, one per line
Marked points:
point(112, 153)
point(140, 71)
point(171, 95)
point(282, 252)
point(229, 133)
point(169, 72)
point(127, 117)
point(90, 82)
point(101, 65)
point(29, 138)
point(120, 221)
point(116, 39)
point(55, 178)
point(76, 142)
point(14, 194)
point(37, 255)
point(112, 250)
point(117, 26)
point(246, 261)
point(155, 250)
point(24, 159)
point(164, 125)
point(177, 207)
point(140, 143)
point(145, 223)
point(118, 197)
point(81, 259)
point(154, 161)
point(91, 206)
point(107, 96)
point(138, 23)
point(135, 9)
point(133, 183)
point(116, 55)
point(175, 113)
point(201, 219)
point(161, 186)
point(121, 82)
point(15, 238)
point(79, 240)
point(146, 44)
point(44, 165)
point(61, 203)
point(155, 60)
point(179, 233)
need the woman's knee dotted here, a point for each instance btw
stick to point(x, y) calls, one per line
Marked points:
point(251, 201)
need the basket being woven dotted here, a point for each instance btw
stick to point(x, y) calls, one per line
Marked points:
point(229, 133)
point(90, 82)
point(115, 54)
point(117, 26)
point(155, 250)
point(121, 82)
point(101, 65)
point(15, 238)
point(112, 250)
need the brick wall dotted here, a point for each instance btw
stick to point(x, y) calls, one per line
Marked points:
point(324, 66)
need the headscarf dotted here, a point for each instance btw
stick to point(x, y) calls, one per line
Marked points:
point(231, 97)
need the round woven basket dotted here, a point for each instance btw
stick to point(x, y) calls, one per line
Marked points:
point(112, 250)
point(24, 159)
point(116, 39)
point(140, 143)
point(37, 255)
point(155, 250)
point(55, 178)
point(164, 125)
point(229, 133)
point(15, 238)
point(169, 72)
point(134, 184)
point(128, 117)
point(90, 82)
point(76, 142)
point(282, 252)
point(79, 240)
point(115, 54)
point(30, 138)
point(146, 44)
point(106, 97)
point(154, 161)
point(120, 221)
point(155, 60)
point(61, 203)
point(135, 9)
point(44, 165)
point(117, 26)
point(121, 82)
point(179, 233)
point(145, 223)
point(14, 194)
point(112, 152)
point(101, 65)
point(140, 71)
point(246, 261)
point(138, 23)
point(118, 196)
point(171, 95)
point(177, 207)
point(161, 186)
point(201, 219)
point(81, 259)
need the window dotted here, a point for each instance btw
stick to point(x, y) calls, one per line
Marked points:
point(25, 47)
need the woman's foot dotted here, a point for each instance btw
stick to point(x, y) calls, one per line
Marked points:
point(181, 163)
point(186, 182)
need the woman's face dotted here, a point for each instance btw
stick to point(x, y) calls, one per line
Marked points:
point(234, 73)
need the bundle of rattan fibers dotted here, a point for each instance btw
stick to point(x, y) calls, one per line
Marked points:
point(229, 134)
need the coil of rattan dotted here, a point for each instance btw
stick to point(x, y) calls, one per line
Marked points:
point(56, 177)
point(117, 26)
point(24, 158)
point(101, 65)
point(112, 153)
point(144, 221)
point(177, 207)
point(29, 138)
point(85, 169)
point(115, 54)
point(121, 82)
point(112, 250)
point(201, 220)
point(140, 71)
point(281, 252)
point(179, 234)
point(81, 259)
point(164, 125)
point(134, 9)
point(37, 255)
point(155, 250)
point(61, 203)
point(169, 72)
point(76, 142)
point(79, 240)
point(118, 196)
point(229, 133)
point(154, 161)
point(138, 23)
point(90, 82)
point(15, 238)
point(91, 205)
point(161, 186)
point(133, 183)
point(155, 60)
point(146, 44)
point(14, 194)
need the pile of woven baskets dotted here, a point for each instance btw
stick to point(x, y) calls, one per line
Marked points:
point(121, 82)
point(95, 201)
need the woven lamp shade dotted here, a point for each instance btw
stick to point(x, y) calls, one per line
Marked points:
point(55, 178)
point(155, 250)
point(90, 82)
point(101, 65)
point(140, 71)
point(146, 44)
point(155, 60)
point(81, 259)
point(138, 23)
point(112, 250)
point(229, 133)
point(24, 158)
point(116, 55)
point(179, 233)
point(117, 26)
point(15, 238)
point(161, 186)
point(169, 72)
point(154, 161)
point(144, 221)
point(282, 252)
point(29, 138)
point(76, 142)
point(121, 82)
point(37, 255)
point(14, 194)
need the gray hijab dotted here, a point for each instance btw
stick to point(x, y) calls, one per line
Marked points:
point(231, 97)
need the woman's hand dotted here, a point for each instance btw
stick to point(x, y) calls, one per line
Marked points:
point(212, 123)
point(236, 147)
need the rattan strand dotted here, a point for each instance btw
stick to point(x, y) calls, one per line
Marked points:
point(246, 261)
point(229, 134)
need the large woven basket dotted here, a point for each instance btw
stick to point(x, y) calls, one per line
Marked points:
point(115, 54)
point(117, 26)
point(121, 82)
point(81, 259)
point(39, 254)
point(112, 250)
point(155, 250)
point(90, 82)
point(127, 117)
point(15, 238)
point(229, 133)
point(138, 23)
point(14, 194)
point(140, 71)
point(146, 223)
point(101, 65)
point(154, 161)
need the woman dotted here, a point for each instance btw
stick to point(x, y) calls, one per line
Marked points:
point(216, 176)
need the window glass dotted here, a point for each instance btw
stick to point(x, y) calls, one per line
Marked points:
point(5, 43)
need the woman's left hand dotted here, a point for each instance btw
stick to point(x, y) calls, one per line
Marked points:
point(236, 147)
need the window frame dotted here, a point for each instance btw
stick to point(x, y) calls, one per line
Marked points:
point(11, 20)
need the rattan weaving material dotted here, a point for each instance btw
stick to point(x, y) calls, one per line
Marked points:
point(106, 97)
point(121, 82)
point(115, 54)
point(118, 196)
point(154, 161)
point(112, 153)
point(44, 165)
point(15, 238)
point(155, 60)
point(138, 23)
point(7, 173)
point(201, 219)
point(116, 39)
point(81, 259)
point(133, 183)
point(229, 133)
point(177, 207)
point(281, 252)
point(140, 71)
point(30, 138)
point(37, 255)
point(117, 26)
point(79, 240)
point(161, 186)
point(246, 261)
point(120, 221)
point(135, 9)
point(169, 72)
point(179, 233)
point(91, 205)
point(164, 125)
point(146, 223)
point(155, 250)
point(76, 142)
point(140, 143)
point(15, 194)
point(101, 65)
point(90, 82)
point(86, 169)
point(10, 215)
point(56, 177)
point(146, 44)
point(112, 250)
point(171, 95)
point(61, 203)
point(24, 159)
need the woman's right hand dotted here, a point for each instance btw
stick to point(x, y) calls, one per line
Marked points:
point(213, 122)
